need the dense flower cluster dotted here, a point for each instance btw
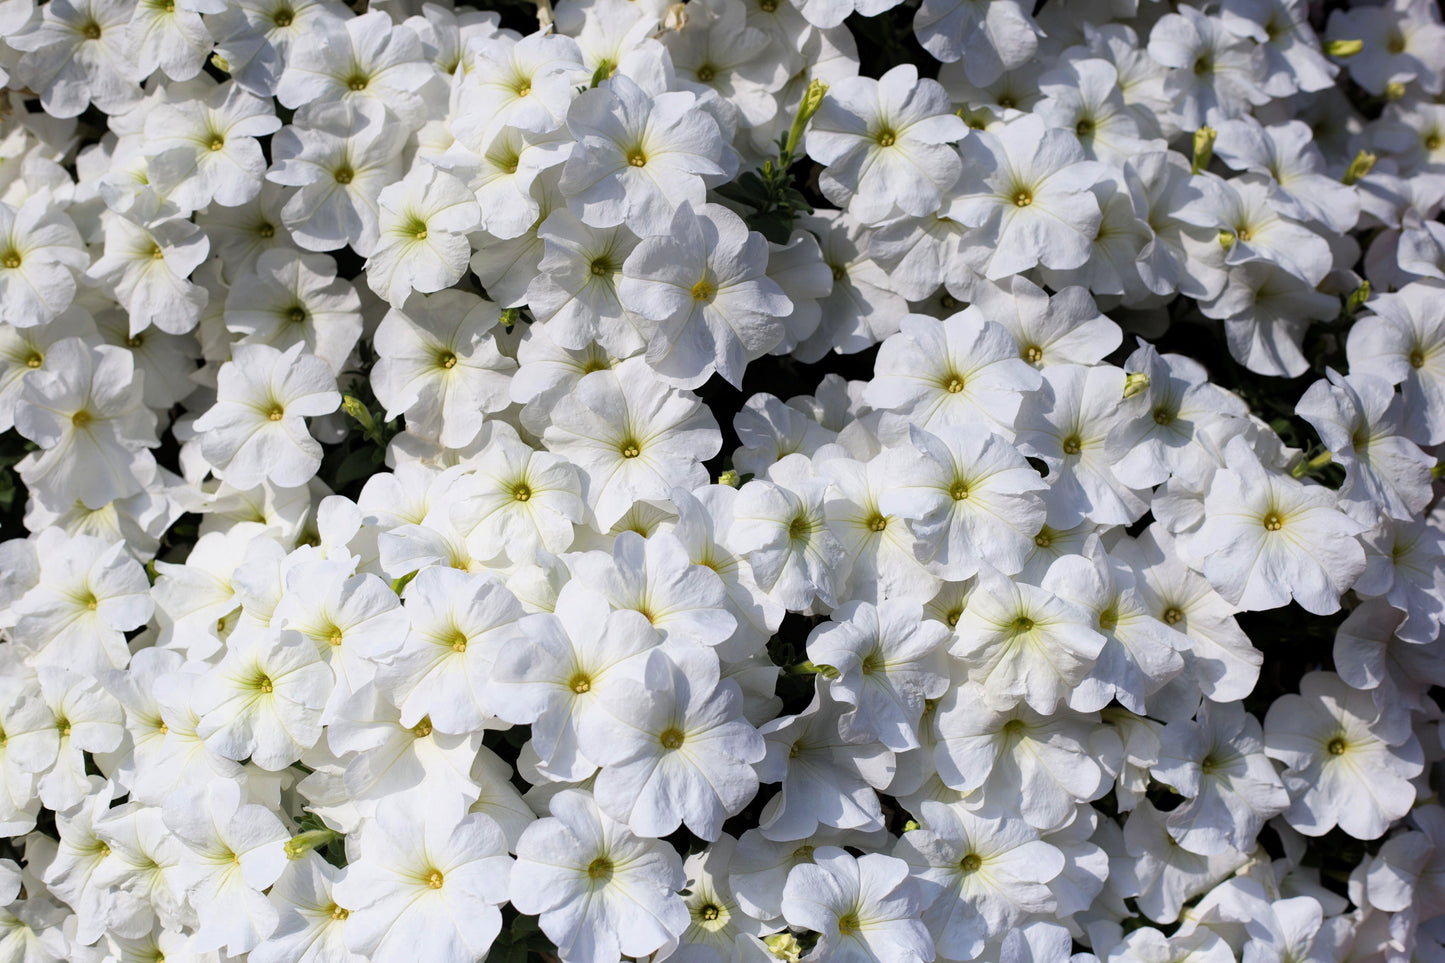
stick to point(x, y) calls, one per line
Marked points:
point(401, 583)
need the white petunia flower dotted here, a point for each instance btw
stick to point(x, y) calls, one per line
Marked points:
point(681, 599)
point(1041, 766)
point(295, 297)
point(781, 527)
point(233, 851)
point(40, 254)
point(422, 225)
point(600, 891)
point(263, 701)
point(89, 595)
point(1348, 765)
point(206, 150)
point(639, 157)
point(256, 431)
point(85, 411)
point(1024, 643)
point(963, 369)
point(980, 874)
point(703, 284)
point(1025, 191)
point(555, 682)
point(366, 58)
point(633, 437)
point(1267, 538)
point(146, 266)
point(674, 748)
point(339, 160)
point(827, 780)
point(1218, 763)
point(865, 909)
point(885, 145)
point(885, 661)
point(439, 363)
point(429, 882)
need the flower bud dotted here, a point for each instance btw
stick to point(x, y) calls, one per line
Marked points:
point(1363, 163)
point(1344, 48)
point(1203, 148)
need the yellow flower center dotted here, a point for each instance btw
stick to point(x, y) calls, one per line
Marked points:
point(848, 924)
point(434, 879)
point(671, 738)
point(954, 384)
point(637, 159)
point(34, 360)
point(971, 863)
point(1033, 354)
point(1273, 521)
point(704, 290)
point(447, 360)
point(1173, 615)
point(877, 522)
point(1073, 445)
point(580, 683)
point(1337, 746)
point(421, 730)
point(521, 492)
point(630, 448)
point(11, 260)
point(459, 642)
point(599, 869)
point(276, 413)
point(1417, 358)
point(1023, 198)
point(80, 419)
point(959, 491)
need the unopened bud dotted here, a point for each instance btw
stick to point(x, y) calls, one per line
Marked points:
point(356, 409)
point(1314, 464)
point(1394, 90)
point(911, 825)
point(510, 316)
point(807, 107)
point(220, 63)
point(1344, 48)
point(784, 946)
point(1203, 148)
point(1363, 163)
point(676, 17)
point(1136, 384)
point(729, 478)
point(1357, 299)
point(1227, 239)
point(298, 846)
